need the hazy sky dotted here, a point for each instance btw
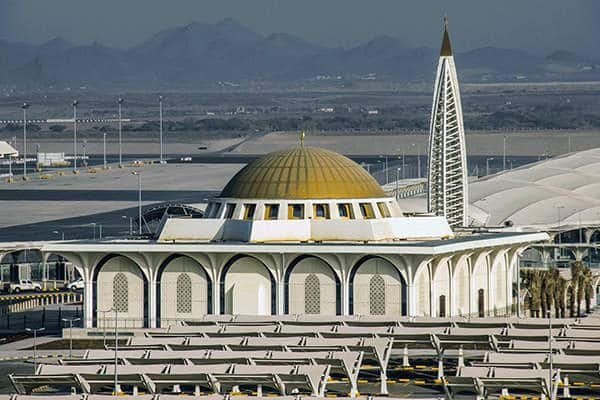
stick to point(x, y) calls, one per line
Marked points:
point(536, 25)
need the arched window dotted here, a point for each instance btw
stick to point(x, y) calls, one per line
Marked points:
point(377, 295)
point(184, 294)
point(312, 295)
point(120, 293)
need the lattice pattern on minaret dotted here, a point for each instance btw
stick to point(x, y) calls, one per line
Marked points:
point(447, 195)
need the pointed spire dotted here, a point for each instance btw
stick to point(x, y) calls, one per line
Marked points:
point(446, 50)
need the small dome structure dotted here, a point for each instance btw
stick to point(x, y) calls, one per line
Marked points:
point(303, 173)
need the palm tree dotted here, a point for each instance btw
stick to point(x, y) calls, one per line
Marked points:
point(559, 297)
point(571, 299)
point(588, 291)
point(577, 284)
point(552, 293)
point(535, 291)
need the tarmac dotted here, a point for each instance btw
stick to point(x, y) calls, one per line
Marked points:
point(41, 209)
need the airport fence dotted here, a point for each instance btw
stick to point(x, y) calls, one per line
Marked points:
point(53, 319)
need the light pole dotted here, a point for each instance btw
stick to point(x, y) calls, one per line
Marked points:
point(116, 353)
point(25, 106)
point(130, 224)
point(35, 331)
point(139, 175)
point(104, 148)
point(504, 153)
point(83, 161)
point(550, 355)
point(104, 326)
point(120, 101)
point(487, 165)
point(10, 174)
point(397, 183)
point(75, 103)
point(59, 232)
point(160, 112)
point(386, 171)
point(558, 208)
point(403, 166)
point(419, 160)
point(70, 321)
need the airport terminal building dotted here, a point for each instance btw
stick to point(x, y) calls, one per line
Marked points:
point(301, 231)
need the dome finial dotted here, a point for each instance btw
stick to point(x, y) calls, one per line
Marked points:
point(446, 50)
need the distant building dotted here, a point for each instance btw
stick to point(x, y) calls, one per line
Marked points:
point(447, 194)
point(6, 150)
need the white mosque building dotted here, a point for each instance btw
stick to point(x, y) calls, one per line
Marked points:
point(300, 231)
point(308, 231)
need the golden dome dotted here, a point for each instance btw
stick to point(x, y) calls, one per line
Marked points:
point(303, 173)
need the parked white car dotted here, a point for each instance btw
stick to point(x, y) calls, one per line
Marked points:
point(23, 285)
point(75, 285)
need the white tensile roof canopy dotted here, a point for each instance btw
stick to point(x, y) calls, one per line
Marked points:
point(561, 191)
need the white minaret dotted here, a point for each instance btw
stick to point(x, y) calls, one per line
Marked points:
point(447, 193)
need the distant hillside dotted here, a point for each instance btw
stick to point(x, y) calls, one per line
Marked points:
point(199, 54)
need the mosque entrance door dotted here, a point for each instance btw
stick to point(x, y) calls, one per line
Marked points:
point(481, 303)
point(442, 309)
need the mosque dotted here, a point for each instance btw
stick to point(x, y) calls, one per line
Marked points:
point(309, 231)
point(300, 231)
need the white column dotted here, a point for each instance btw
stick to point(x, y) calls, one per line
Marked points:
point(280, 284)
point(152, 323)
point(489, 299)
point(88, 300)
point(411, 299)
point(432, 306)
point(451, 306)
point(508, 261)
point(470, 267)
point(216, 294)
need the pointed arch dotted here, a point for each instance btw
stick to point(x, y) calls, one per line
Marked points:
point(167, 290)
point(361, 295)
point(249, 295)
point(330, 293)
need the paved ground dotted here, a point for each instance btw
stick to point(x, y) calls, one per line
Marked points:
point(70, 203)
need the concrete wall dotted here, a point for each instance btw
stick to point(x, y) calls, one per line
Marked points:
point(183, 304)
point(297, 286)
point(116, 273)
point(365, 281)
point(247, 288)
point(255, 283)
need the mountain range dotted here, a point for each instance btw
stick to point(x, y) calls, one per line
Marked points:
point(200, 54)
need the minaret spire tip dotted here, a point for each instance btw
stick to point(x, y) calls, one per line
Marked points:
point(446, 49)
